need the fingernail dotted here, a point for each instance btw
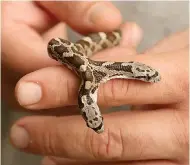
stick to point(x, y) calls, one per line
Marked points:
point(28, 93)
point(136, 34)
point(101, 11)
point(19, 137)
point(47, 161)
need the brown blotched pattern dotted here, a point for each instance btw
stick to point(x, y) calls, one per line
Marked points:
point(92, 73)
point(95, 38)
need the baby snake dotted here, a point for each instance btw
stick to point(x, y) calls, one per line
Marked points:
point(92, 73)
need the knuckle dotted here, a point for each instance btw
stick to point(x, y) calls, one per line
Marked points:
point(111, 94)
point(179, 89)
point(181, 135)
point(181, 76)
point(108, 145)
point(182, 85)
point(185, 88)
point(48, 143)
point(64, 90)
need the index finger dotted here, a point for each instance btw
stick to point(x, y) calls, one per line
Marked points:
point(135, 139)
point(63, 85)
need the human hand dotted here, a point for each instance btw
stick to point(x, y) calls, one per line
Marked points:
point(25, 36)
point(153, 134)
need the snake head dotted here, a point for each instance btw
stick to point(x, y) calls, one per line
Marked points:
point(93, 121)
point(145, 73)
point(59, 48)
point(97, 125)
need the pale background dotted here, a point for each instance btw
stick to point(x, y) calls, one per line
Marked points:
point(157, 19)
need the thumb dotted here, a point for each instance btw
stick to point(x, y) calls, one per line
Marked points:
point(85, 16)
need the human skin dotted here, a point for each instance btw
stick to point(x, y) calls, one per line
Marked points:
point(151, 134)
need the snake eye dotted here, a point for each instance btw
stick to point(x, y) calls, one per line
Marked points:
point(51, 46)
point(51, 53)
point(87, 124)
point(99, 129)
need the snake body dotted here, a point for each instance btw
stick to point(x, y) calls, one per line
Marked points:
point(92, 73)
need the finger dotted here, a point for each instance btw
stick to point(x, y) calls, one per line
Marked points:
point(144, 136)
point(93, 16)
point(63, 161)
point(58, 30)
point(21, 38)
point(174, 42)
point(31, 49)
point(37, 19)
point(131, 35)
point(33, 91)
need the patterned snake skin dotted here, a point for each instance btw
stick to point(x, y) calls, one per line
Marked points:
point(92, 73)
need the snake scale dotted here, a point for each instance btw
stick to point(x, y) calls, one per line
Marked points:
point(92, 73)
